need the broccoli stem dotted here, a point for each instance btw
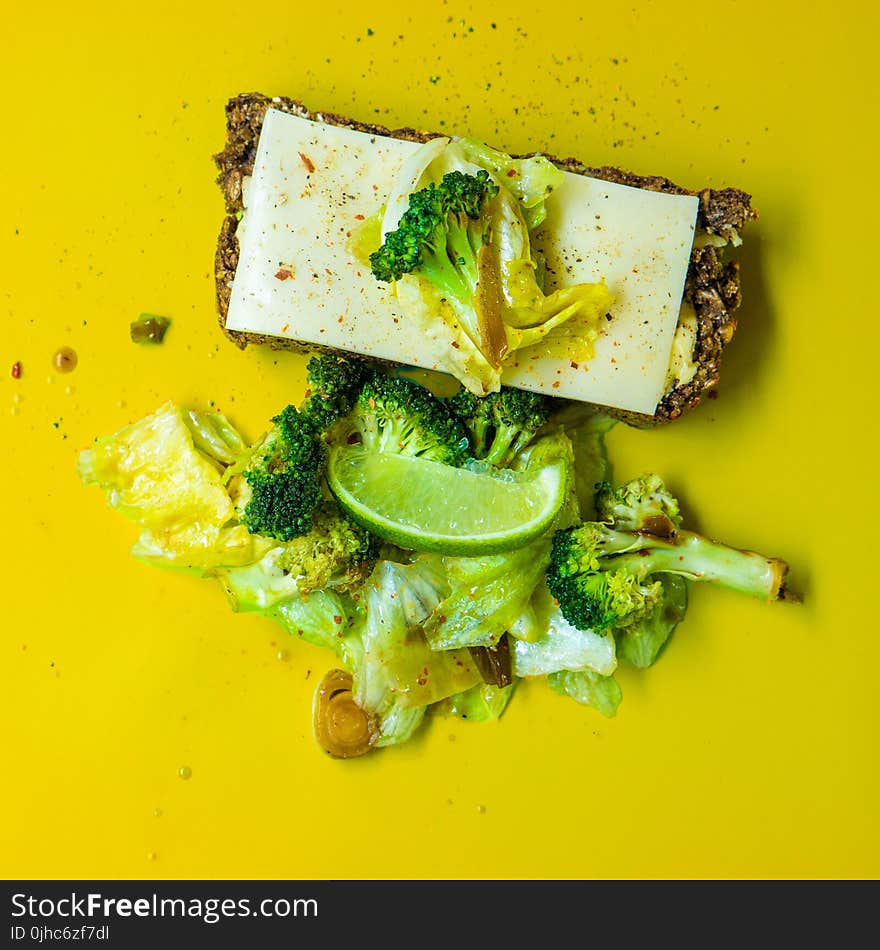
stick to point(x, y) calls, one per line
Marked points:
point(392, 436)
point(500, 452)
point(453, 283)
point(462, 253)
point(479, 436)
point(507, 443)
point(698, 558)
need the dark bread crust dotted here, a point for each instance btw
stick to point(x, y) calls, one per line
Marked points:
point(712, 286)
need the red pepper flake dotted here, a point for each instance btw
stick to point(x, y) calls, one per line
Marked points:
point(574, 365)
point(556, 385)
point(512, 173)
point(283, 273)
point(309, 164)
point(455, 345)
point(337, 618)
point(16, 369)
point(359, 217)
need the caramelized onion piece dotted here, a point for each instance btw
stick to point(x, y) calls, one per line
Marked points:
point(342, 728)
point(489, 306)
point(660, 526)
point(494, 662)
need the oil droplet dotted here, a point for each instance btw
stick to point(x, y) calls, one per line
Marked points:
point(65, 359)
point(283, 655)
point(481, 809)
point(185, 772)
point(157, 812)
point(151, 855)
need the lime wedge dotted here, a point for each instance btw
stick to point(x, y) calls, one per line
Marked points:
point(427, 506)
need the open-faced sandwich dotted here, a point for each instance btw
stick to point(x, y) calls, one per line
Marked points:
point(446, 546)
point(592, 284)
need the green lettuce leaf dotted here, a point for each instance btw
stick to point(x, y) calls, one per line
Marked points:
point(377, 638)
point(480, 703)
point(586, 429)
point(398, 665)
point(531, 179)
point(488, 595)
point(560, 645)
point(155, 475)
point(215, 436)
point(640, 644)
point(399, 723)
point(588, 688)
point(324, 618)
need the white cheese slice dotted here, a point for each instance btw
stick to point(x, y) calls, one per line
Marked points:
point(312, 186)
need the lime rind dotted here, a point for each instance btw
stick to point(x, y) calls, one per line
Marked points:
point(423, 505)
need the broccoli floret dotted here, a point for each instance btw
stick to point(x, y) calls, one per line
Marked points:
point(439, 235)
point(398, 415)
point(501, 424)
point(335, 553)
point(333, 386)
point(643, 504)
point(604, 574)
point(283, 478)
point(592, 590)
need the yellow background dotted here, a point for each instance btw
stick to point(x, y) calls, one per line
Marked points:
point(749, 750)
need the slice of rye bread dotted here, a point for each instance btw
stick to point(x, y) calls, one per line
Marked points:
point(712, 286)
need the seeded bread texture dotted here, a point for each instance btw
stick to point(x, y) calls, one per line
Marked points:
point(712, 286)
